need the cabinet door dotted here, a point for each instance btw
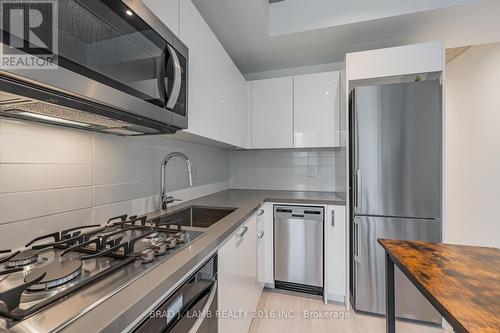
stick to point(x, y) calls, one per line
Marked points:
point(272, 113)
point(217, 89)
point(237, 278)
point(335, 254)
point(261, 251)
point(269, 241)
point(317, 110)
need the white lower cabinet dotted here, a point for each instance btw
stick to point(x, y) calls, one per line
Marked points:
point(238, 291)
point(335, 254)
point(268, 220)
point(261, 251)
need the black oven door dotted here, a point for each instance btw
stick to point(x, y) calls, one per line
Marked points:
point(191, 308)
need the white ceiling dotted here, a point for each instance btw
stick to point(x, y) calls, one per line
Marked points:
point(291, 16)
point(242, 28)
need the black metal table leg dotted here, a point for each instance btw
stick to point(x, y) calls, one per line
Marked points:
point(390, 313)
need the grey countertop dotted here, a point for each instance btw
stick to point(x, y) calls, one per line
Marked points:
point(133, 301)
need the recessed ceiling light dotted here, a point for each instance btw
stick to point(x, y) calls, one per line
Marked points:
point(129, 12)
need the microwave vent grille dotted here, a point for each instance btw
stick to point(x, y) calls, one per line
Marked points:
point(61, 112)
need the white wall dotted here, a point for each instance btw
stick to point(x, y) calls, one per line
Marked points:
point(473, 147)
point(53, 177)
point(287, 169)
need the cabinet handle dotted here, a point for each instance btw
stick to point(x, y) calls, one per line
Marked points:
point(260, 212)
point(242, 232)
point(333, 218)
point(260, 235)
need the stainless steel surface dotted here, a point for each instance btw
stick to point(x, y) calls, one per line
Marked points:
point(396, 186)
point(124, 304)
point(74, 91)
point(198, 216)
point(398, 136)
point(164, 197)
point(92, 294)
point(298, 245)
point(190, 308)
point(370, 273)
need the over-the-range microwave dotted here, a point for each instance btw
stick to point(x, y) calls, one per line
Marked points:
point(119, 70)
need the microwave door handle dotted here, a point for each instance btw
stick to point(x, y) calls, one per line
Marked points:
point(176, 86)
point(201, 317)
point(160, 75)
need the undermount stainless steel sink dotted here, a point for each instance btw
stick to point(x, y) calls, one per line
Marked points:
point(197, 216)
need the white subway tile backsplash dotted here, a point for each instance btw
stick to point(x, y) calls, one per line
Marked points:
point(284, 169)
point(33, 143)
point(29, 205)
point(36, 177)
point(53, 172)
point(107, 194)
point(15, 235)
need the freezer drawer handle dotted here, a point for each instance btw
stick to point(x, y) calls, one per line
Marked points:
point(357, 257)
point(297, 215)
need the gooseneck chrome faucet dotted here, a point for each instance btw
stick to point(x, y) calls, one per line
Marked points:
point(164, 197)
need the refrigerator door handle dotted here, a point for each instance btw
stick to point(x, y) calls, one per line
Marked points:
point(357, 187)
point(357, 257)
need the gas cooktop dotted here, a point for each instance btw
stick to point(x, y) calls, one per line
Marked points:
point(53, 266)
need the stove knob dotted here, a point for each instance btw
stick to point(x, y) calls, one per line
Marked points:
point(181, 237)
point(171, 242)
point(147, 255)
point(153, 235)
point(160, 248)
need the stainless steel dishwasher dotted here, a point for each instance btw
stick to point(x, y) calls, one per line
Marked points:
point(298, 248)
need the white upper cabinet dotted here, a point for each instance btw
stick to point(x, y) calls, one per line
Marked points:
point(217, 89)
point(316, 106)
point(167, 11)
point(272, 113)
point(395, 61)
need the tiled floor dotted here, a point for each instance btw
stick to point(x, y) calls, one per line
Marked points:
point(298, 308)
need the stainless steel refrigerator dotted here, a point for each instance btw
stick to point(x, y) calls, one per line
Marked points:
point(396, 159)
